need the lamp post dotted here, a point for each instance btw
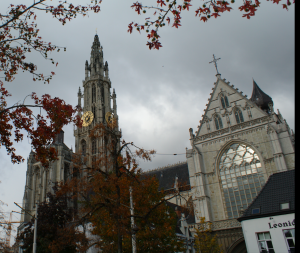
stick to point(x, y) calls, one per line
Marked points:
point(35, 228)
point(133, 228)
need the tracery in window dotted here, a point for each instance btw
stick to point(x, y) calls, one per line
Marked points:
point(241, 177)
point(218, 122)
point(239, 116)
point(224, 101)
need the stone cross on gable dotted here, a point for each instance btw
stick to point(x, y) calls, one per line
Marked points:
point(215, 62)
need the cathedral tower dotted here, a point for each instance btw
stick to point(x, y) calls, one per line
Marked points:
point(97, 99)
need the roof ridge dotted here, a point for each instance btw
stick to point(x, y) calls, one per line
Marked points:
point(166, 166)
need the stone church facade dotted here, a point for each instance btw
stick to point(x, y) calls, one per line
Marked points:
point(239, 143)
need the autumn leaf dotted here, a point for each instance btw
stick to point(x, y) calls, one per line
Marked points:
point(203, 18)
point(138, 7)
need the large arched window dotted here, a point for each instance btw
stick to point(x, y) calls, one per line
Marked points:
point(83, 147)
point(218, 122)
point(241, 177)
point(224, 101)
point(238, 116)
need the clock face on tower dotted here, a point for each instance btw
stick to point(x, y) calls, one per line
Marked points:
point(87, 118)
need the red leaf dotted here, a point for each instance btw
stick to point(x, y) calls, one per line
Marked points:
point(187, 6)
point(130, 27)
point(161, 2)
point(215, 15)
point(203, 18)
point(137, 6)
point(168, 19)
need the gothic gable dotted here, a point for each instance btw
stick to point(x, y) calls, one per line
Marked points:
point(227, 107)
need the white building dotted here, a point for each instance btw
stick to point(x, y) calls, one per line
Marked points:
point(269, 222)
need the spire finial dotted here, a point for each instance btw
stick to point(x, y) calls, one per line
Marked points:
point(96, 31)
point(215, 62)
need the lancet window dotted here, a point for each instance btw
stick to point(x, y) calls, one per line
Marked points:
point(66, 171)
point(224, 101)
point(94, 112)
point(94, 147)
point(241, 177)
point(239, 116)
point(218, 122)
point(93, 93)
point(83, 147)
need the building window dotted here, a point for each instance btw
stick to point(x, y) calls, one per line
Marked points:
point(218, 122)
point(66, 171)
point(94, 112)
point(256, 211)
point(265, 243)
point(289, 235)
point(239, 116)
point(94, 147)
point(284, 206)
point(83, 147)
point(224, 101)
point(93, 93)
point(241, 177)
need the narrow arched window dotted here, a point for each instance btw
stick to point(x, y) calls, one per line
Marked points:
point(93, 93)
point(241, 177)
point(218, 122)
point(94, 147)
point(239, 116)
point(224, 101)
point(83, 147)
point(94, 112)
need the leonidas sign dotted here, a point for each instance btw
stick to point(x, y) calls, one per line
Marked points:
point(283, 224)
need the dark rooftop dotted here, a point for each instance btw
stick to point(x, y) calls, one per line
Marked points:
point(280, 188)
point(166, 176)
point(260, 98)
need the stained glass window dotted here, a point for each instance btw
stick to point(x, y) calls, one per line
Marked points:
point(241, 177)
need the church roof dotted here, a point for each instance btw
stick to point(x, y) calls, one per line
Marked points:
point(260, 98)
point(166, 176)
point(280, 188)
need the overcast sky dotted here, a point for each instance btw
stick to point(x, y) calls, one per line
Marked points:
point(160, 94)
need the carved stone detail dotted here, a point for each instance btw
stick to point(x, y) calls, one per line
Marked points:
point(219, 225)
